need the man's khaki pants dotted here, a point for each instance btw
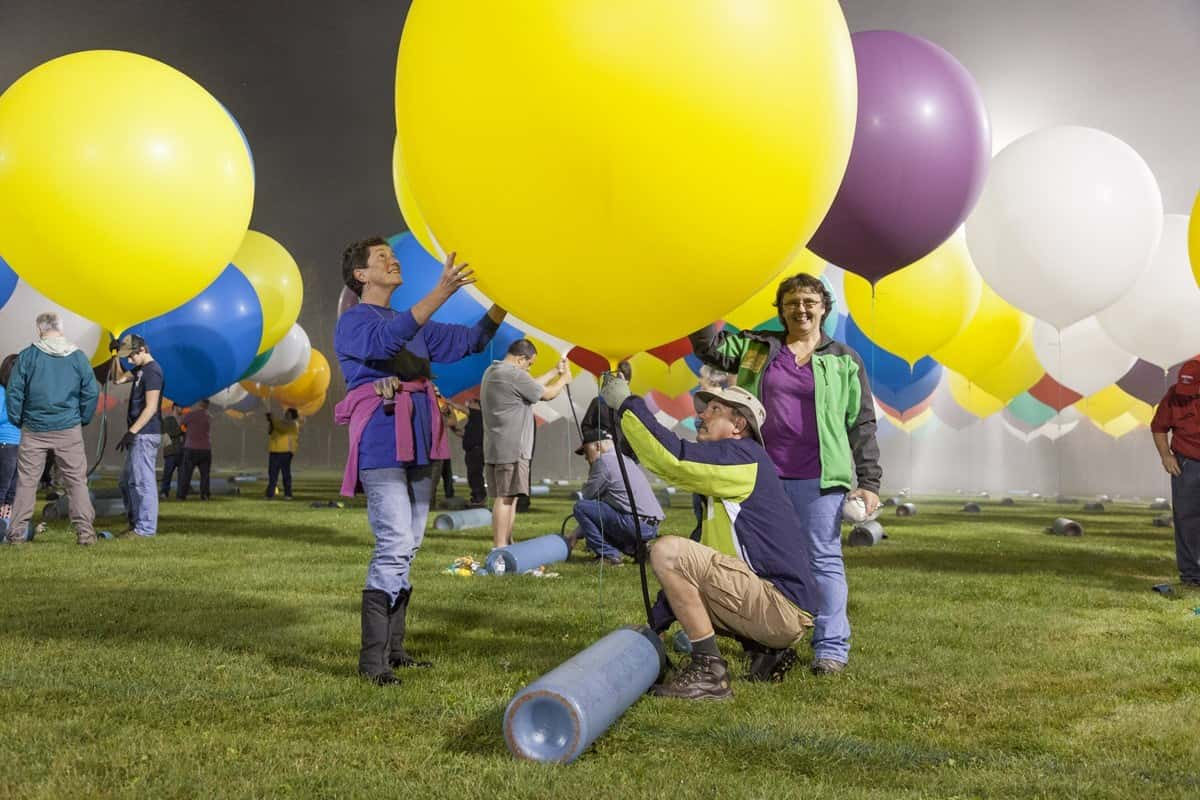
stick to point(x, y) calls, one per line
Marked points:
point(71, 459)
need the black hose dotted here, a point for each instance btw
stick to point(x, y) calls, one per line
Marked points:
point(637, 520)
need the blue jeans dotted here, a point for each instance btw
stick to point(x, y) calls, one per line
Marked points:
point(139, 484)
point(1185, 505)
point(821, 525)
point(609, 532)
point(397, 508)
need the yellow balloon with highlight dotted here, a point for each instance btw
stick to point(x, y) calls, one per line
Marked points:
point(408, 206)
point(760, 307)
point(276, 279)
point(1116, 428)
point(990, 336)
point(920, 308)
point(547, 359)
point(1015, 374)
point(125, 187)
point(670, 155)
point(972, 398)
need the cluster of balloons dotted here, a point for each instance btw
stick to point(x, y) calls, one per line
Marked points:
point(137, 222)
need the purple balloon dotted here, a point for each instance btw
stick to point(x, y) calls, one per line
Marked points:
point(1148, 382)
point(920, 156)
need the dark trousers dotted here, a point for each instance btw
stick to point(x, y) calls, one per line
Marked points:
point(191, 460)
point(277, 464)
point(447, 479)
point(171, 463)
point(475, 474)
point(1185, 503)
point(8, 473)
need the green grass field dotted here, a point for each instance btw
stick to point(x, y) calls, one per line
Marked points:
point(218, 660)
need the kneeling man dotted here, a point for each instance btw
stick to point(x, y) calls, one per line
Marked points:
point(749, 576)
point(605, 515)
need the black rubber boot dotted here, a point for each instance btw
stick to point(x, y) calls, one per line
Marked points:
point(372, 658)
point(397, 622)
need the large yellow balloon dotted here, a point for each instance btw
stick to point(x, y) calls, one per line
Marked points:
point(923, 306)
point(760, 307)
point(651, 373)
point(1015, 374)
point(276, 279)
point(989, 338)
point(1121, 425)
point(125, 187)
point(1194, 239)
point(1107, 404)
point(973, 398)
point(413, 219)
point(669, 155)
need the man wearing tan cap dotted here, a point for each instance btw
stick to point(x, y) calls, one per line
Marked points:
point(748, 576)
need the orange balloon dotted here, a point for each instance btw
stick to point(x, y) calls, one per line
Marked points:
point(313, 383)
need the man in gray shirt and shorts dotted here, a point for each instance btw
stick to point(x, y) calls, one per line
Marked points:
point(506, 396)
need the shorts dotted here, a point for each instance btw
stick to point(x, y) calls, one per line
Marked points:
point(738, 601)
point(507, 480)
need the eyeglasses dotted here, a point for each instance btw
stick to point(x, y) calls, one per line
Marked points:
point(807, 305)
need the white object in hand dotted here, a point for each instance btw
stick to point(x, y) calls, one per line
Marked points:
point(855, 509)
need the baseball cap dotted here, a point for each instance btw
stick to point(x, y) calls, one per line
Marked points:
point(129, 344)
point(592, 435)
point(743, 401)
point(1189, 378)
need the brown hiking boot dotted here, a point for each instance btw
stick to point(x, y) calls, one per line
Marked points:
point(704, 678)
point(827, 666)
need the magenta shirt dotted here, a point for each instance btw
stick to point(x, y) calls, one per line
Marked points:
point(199, 427)
point(790, 432)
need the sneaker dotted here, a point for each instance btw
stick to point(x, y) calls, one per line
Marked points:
point(85, 541)
point(704, 678)
point(827, 666)
point(769, 666)
point(608, 562)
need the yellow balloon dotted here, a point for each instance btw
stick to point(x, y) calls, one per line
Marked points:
point(408, 205)
point(310, 385)
point(1106, 405)
point(760, 307)
point(125, 187)
point(276, 279)
point(923, 306)
point(973, 398)
point(1015, 374)
point(312, 407)
point(651, 373)
point(102, 355)
point(1194, 238)
point(676, 153)
point(1142, 411)
point(990, 336)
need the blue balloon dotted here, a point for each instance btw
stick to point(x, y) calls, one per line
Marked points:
point(209, 341)
point(892, 381)
point(8, 282)
point(421, 272)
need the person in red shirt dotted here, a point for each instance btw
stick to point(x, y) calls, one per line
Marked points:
point(1178, 415)
point(197, 449)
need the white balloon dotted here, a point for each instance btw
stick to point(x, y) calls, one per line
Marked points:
point(1082, 356)
point(288, 360)
point(229, 396)
point(18, 328)
point(1158, 319)
point(1068, 220)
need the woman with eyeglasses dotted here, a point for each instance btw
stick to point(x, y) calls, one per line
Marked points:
point(819, 432)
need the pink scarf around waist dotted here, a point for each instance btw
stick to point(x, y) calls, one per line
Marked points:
point(357, 408)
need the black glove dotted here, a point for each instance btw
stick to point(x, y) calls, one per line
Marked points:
point(126, 442)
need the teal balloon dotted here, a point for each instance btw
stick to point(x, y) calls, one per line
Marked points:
point(1030, 410)
point(257, 363)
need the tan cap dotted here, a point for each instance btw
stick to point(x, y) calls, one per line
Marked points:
point(743, 401)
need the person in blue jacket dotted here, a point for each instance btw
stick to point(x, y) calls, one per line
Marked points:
point(10, 441)
point(396, 430)
point(749, 574)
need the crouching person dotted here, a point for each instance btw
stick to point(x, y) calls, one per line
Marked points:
point(748, 577)
point(605, 515)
